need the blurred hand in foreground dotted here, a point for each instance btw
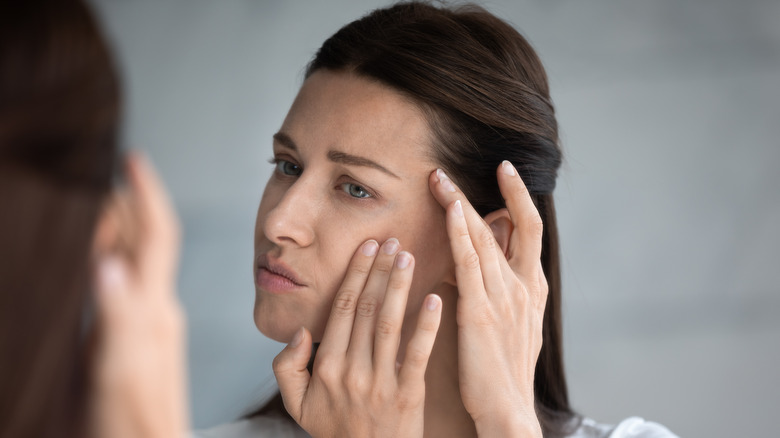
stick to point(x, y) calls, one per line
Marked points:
point(139, 378)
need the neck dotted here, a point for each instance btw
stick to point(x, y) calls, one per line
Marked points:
point(445, 415)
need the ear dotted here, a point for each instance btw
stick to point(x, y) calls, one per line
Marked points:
point(501, 224)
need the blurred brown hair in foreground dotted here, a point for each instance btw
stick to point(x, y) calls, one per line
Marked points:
point(59, 116)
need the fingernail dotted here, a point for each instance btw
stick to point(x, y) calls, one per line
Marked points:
point(112, 275)
point(447, 184)
point(445, 181)
point(458, 208)
point(507, 168)
point(297, 339)
point(369, 248)
point(432, 302)
point(403, 260)
point(391, 246)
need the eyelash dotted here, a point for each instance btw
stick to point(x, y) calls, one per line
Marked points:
point(279, 166)
point(346, 187)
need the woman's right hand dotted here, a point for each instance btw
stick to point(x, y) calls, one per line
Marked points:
point(357, 389)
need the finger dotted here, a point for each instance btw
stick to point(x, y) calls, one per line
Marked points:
point(338, 331)
point(468, 274)
point(116, 231)
point(525, 243)
point(391, 316)
point(482, 256)
point(159, 230)
point(291, 373)
point(419, 348)
point(362, 339)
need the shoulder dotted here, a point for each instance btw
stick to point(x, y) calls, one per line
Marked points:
point(632, 427)
point(259, 426)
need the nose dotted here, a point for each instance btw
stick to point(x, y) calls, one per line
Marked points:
point(291, 221)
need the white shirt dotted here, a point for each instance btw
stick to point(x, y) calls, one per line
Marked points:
point(278, 427)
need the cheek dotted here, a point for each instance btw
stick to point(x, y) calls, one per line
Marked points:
point(338, 238)
point(433, 259)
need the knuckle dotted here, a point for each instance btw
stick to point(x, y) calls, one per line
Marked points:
point(384, 267)
point(380, 395)
point(361, 268)
point(470, 260)
point(278, 364)
point(407, 401)
point(429, 325)
point(345, 303)
point(356, 382)
point(463, 233)
point(327, 372)
point(522, 190)
point(385, 327)
point(535, 225)
point(543, 286)
point(486, 238)
point(417, 357)
point(367, 307)
point(479, 315)
point(543, 293)
point(396, 283)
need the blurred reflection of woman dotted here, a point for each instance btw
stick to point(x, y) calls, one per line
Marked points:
point(91, 334)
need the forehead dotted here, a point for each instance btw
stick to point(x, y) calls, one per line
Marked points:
point(349, 113)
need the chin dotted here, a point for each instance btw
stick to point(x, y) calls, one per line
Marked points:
point(275, 332)
point(281, 325)
point(273, 328)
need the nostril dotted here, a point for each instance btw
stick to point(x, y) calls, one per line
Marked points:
point(287, 225)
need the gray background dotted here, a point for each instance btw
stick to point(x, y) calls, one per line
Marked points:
point(668, 202)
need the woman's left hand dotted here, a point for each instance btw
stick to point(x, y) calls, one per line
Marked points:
point(501, 300)
point(139, 376)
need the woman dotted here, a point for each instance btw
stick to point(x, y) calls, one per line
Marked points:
point(90, 330)
point(409, 132)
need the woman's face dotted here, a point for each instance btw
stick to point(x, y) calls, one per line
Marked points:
point(352, 164)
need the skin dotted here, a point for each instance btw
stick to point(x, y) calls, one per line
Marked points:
point(394, 360)
point(310, 222)
point(477, 378)
point(139, 378)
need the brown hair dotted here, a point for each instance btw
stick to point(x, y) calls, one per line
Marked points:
point(59, 115)
point(486, 97)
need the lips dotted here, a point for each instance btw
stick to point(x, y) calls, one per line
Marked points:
point(273, 276)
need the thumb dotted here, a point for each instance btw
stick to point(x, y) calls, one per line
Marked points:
point(291, 372)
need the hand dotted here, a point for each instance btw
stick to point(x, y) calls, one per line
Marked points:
point(356, 388)
point(501, 300)
point(139, 377)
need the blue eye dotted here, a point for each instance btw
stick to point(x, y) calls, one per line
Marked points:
point(287, 168)
point(355, 190)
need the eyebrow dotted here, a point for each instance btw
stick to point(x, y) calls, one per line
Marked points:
point(337, 156)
